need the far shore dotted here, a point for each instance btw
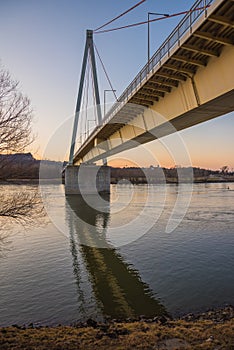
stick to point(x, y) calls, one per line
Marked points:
point(113, 181)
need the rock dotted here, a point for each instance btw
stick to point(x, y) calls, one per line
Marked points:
point(189, 317)
point(217, 315)
point(210, 339)
point(99, 336)
point(162, 319)
point(172, 344)
point(122, 331)
point(112, 335)
point(91, 323)
point(16, 326)
point(104, 327)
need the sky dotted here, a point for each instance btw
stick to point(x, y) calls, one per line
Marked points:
point(42, 44)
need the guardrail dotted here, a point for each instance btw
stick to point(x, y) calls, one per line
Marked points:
point(198, 8)
point(185, 25)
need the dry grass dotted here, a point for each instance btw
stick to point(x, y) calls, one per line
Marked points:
point(123, 336)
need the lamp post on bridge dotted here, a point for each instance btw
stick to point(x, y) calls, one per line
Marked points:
point(104, 100)
point(153, 14)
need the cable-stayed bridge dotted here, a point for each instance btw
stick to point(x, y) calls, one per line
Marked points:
point(188, 80)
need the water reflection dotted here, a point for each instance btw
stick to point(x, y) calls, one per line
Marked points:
point(117, 287)
point(5, 243)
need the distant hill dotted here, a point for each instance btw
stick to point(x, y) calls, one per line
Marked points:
point(17, 157)
point(25, 166)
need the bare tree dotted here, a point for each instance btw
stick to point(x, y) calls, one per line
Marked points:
point(15, 136)
point(15, 120)
point(15, 116)
point(18, 206)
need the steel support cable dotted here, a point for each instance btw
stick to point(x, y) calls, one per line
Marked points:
point(151, 20)
point(122, 14)
point(106, 74)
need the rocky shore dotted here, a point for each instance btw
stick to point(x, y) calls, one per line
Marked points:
point(213, 329)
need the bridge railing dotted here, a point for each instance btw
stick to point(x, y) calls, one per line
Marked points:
point(198, 8)
point(185, 25)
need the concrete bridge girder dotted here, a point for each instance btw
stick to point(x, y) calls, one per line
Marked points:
point(180, 107)
point(129, 135)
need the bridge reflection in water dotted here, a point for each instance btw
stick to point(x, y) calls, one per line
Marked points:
point(117, 287)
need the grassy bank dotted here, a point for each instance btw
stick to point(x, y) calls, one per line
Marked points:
point(206, 332)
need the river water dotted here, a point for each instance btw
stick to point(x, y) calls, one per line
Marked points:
point(115, 257)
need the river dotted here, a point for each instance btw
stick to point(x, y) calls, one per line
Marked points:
point(115, 257)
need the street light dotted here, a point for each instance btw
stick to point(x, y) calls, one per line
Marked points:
point(105, 91)
point(155, 14)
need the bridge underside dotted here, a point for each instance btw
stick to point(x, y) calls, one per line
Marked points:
point(191, 84)
point(124, 139)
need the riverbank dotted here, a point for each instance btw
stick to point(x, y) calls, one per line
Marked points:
point(114, 181)
point(210, 330)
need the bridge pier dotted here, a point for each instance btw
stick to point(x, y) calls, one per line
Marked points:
point(87, 179)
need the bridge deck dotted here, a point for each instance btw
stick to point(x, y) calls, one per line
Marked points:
point(201, 35)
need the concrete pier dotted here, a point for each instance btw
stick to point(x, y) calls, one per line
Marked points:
point(87, 179)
